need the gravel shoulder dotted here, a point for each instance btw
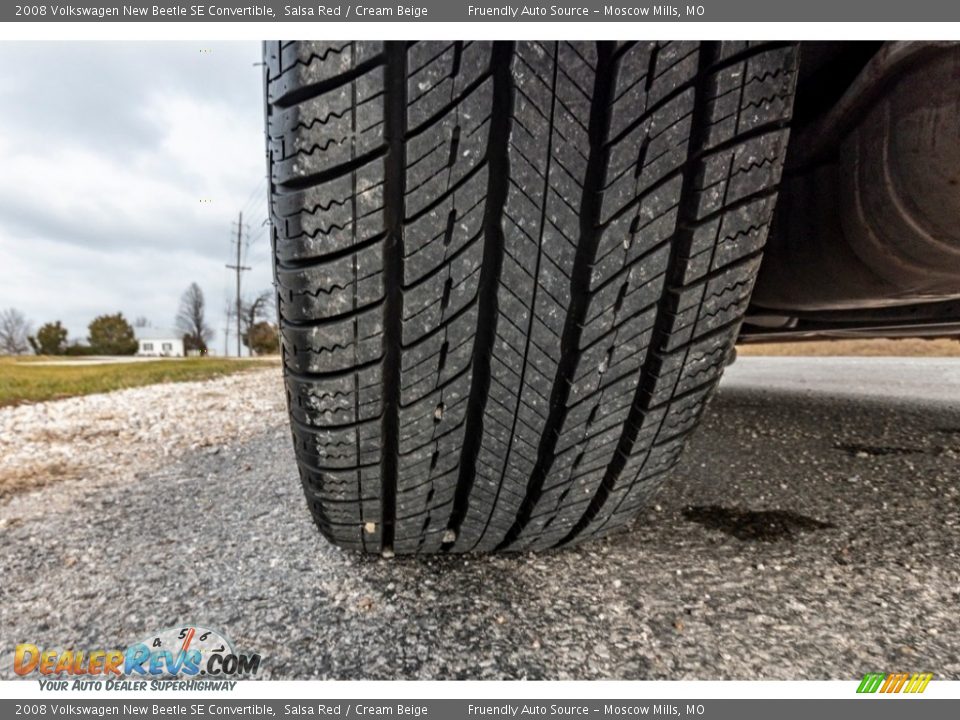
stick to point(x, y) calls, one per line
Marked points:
point(807, 534)
point(118, 436)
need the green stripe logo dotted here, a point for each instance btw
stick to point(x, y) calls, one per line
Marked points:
point(892, 683)
point(871, 682)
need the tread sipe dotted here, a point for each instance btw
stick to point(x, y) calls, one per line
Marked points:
point(509, 274)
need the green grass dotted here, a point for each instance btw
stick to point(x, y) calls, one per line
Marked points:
point(22, 380)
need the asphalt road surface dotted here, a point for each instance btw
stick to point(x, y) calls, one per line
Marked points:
point(812, 531)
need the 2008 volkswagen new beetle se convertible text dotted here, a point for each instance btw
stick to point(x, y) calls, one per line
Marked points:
point(510, 274)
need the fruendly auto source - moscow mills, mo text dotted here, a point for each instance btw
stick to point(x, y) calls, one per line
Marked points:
point(345, 11)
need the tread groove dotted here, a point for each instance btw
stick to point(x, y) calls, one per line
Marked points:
point(395, 127)
point(498, 167)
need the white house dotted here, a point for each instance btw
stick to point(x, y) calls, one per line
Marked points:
point(159, 342)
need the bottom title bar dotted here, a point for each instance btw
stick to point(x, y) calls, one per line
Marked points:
point(875, 708)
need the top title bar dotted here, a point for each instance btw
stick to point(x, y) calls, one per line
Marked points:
point(459, 11)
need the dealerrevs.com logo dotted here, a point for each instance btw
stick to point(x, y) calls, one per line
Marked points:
point(185, 652)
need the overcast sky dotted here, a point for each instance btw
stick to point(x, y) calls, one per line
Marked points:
point(106, 152)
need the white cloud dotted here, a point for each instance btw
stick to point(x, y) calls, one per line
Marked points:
point(100, 207)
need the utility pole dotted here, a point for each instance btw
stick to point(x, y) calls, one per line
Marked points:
point(239, 268)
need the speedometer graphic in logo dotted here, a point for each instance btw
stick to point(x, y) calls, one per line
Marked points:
point(183, 650)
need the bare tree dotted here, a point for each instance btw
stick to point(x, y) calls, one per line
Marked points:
point(14, 330)
point(141, 322)
point(255, 310)
point(191, 320)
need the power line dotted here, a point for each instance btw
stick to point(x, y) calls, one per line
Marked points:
point(257, 189)
point(246, 245)
point(260, 234)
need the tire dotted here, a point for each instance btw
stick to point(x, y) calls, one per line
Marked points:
point(509, 275)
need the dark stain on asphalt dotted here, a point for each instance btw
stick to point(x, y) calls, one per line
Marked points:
point(857, 449)
point(754, 525)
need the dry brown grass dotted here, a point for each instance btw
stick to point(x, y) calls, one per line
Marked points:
point(35, 476)
point(905, 347)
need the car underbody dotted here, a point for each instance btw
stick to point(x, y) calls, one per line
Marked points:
point(866, 237)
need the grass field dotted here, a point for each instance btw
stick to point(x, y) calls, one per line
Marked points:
point(29, 380)
point(905, 347)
